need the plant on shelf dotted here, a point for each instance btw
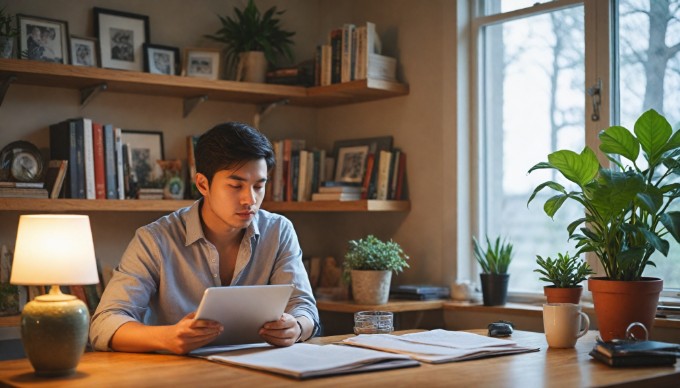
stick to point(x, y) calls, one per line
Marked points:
point(369, 263)
point(566, 274)
point(494, 260)
point(253, 40)
point(627, 216)
point(7, 33)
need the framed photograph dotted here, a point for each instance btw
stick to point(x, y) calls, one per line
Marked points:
point(350, 156)
point(202, 62)
point(161, 59)
point(121, 38)
point(43, 39)
point(145, 148)
point(84, 51)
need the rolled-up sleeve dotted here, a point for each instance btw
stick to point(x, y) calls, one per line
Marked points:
point(126, 297)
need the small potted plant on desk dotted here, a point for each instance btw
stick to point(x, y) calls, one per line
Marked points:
point(253, 41)
point(494, 277)
point(565, 273)
point(626, 218)
point(369, 263)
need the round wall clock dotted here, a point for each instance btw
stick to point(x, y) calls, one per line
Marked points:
point(21, 161)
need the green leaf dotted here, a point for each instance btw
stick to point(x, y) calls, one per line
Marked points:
point(618, 140)
point(578, 168)
point(653, 132)
point(658, 243)
point(554, 204)
point(553, 185)
point(671, 221)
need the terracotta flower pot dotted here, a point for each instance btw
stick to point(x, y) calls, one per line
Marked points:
point(620, 303)
point(563, 295)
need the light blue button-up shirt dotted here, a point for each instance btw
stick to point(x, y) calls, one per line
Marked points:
point(169, 264)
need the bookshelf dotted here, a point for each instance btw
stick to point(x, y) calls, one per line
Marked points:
point(135, 205)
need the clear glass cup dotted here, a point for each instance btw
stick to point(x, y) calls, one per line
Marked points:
point(373, 322)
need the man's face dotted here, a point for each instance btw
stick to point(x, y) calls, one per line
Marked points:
point(234, 196)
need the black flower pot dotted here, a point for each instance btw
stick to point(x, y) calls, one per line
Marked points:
point(494, 288)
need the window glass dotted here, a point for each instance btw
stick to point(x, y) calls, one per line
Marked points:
point(532, 104)
point(492, 7)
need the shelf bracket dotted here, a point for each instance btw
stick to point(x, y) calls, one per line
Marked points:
point(5, 87)
point(191, 103)
point(87, 94)
point(264, 110)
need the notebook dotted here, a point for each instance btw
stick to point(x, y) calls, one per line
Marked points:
point(243, 310)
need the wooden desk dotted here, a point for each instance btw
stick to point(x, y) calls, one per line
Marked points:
point(548, 367)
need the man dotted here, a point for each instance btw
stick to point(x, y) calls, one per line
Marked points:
point(223, 239)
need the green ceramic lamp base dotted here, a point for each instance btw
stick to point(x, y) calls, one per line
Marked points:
point(54, 331)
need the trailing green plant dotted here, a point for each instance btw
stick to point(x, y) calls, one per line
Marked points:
point(370, 253)
point(626, 206)
point(563, 272)
point(7, 24)
point(496, 258)
point(250, 30)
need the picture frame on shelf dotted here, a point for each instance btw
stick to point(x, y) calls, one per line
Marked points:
point(43, 39)
point(84, 51)
point(351, 162)
point(121, 38)
point(145, 148)
point(202, 62)
point(350, 152)
point(159, 59)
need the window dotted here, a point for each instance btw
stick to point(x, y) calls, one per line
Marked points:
point(535, 66)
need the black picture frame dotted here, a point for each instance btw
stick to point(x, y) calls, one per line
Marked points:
point(121, 38)
point(43, 39)
point(145, 148)
point(354, 149)
point(159, 59)
point(84, 51)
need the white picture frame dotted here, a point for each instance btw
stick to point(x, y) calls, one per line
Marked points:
point(202, 62)
point(84, 51)
point(351, 164)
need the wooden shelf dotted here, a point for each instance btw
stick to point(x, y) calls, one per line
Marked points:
point(395, 306)
point(104, 205)
point(10, 321)
point(27, 72)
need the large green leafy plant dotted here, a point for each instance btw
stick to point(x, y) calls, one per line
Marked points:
point(495, 258)
point(563, 272)
point(250, 30)
point(626, 207)
point(370, 253)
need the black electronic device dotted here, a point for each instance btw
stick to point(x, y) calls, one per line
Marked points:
point(500, 329)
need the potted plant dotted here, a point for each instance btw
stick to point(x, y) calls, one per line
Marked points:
point(369, 263)
point(7, 33)
point(627, 215)
point(253, 40)
point(565, 273)
point(494, 277)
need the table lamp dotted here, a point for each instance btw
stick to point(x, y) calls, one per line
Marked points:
point(54, 250)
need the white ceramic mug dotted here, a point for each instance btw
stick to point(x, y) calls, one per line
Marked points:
point(562, 323)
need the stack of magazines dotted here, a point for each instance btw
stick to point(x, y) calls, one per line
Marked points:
point(636, 353)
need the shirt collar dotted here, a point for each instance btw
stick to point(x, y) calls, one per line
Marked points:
point(194, 229)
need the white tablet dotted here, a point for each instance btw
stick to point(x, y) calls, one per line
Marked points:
point(243, 310)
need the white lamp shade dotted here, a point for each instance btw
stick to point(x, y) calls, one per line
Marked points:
point(54, 250)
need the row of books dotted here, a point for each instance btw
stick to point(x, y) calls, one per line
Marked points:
point(98, 162)
point(299, 172)
point(353, 52)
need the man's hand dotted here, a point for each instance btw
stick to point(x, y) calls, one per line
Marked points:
point(283, 332)
point(189, 334)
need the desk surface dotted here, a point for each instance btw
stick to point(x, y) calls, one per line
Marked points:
point(548, 367)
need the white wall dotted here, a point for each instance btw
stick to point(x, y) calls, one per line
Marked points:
point(421, 34)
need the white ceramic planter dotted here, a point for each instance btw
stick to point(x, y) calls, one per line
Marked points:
point(371, 287)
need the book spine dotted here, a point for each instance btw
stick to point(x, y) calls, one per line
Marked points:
point(90, 190)
point(118, 145)
point(99, 161)
point(326, 64)
point(110, 163)
point(336, 56)
point(278, 171)
point(346, 56)
point(80, 160)
point(401, 177)
point(302, 176)
point(383, 175)
point(63, 147)
point(394, 169)
point(368, 174)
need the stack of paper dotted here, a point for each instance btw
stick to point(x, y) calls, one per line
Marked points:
point(306, 360)
point(438, 346)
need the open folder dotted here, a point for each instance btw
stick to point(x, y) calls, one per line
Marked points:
point(303, 361)
point(438, 346)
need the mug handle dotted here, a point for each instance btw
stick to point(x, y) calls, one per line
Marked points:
point(584, 317)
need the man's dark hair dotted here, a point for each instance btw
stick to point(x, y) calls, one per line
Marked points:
point(230, 145)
